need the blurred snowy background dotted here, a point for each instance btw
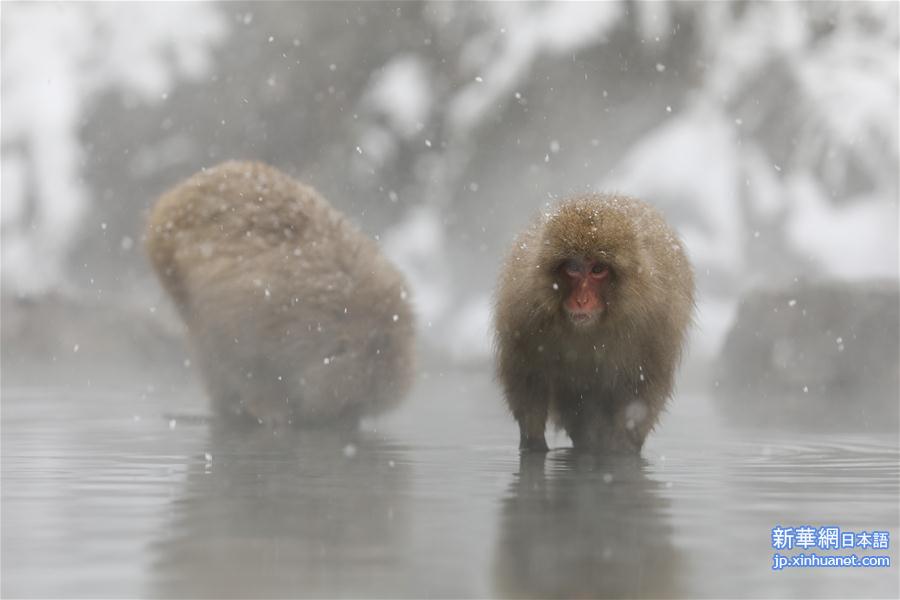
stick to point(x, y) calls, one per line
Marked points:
point(767, 132)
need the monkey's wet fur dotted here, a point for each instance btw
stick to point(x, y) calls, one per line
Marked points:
point(591, 314)
point(294, 316)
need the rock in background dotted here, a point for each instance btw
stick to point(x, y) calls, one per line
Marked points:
point(814, 355)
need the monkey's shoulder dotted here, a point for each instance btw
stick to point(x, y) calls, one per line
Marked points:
point(246, 187)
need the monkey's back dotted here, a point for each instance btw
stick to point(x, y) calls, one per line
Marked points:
point(283, 297)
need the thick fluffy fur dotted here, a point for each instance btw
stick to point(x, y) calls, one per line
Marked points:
point(295, 316)
point(607, 382)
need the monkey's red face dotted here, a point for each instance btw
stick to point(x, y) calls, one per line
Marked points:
point(588, 285)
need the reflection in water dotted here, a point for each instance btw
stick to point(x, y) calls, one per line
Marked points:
point(582, 526)
point(300, 514)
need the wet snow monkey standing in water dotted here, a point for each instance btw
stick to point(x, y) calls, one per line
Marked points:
point(295, 317)
point(591, 313)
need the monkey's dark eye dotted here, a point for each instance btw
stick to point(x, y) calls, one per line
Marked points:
point(572, 267)
point(599, 268)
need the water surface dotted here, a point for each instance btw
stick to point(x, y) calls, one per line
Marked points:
point(124, 493)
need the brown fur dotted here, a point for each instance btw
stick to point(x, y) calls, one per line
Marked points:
point(295, 316)
point(604, 383)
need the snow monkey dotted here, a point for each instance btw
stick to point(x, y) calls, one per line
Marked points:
point(294, 316)
point(591, 313)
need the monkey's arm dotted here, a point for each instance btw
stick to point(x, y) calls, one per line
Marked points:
point(528, 396)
